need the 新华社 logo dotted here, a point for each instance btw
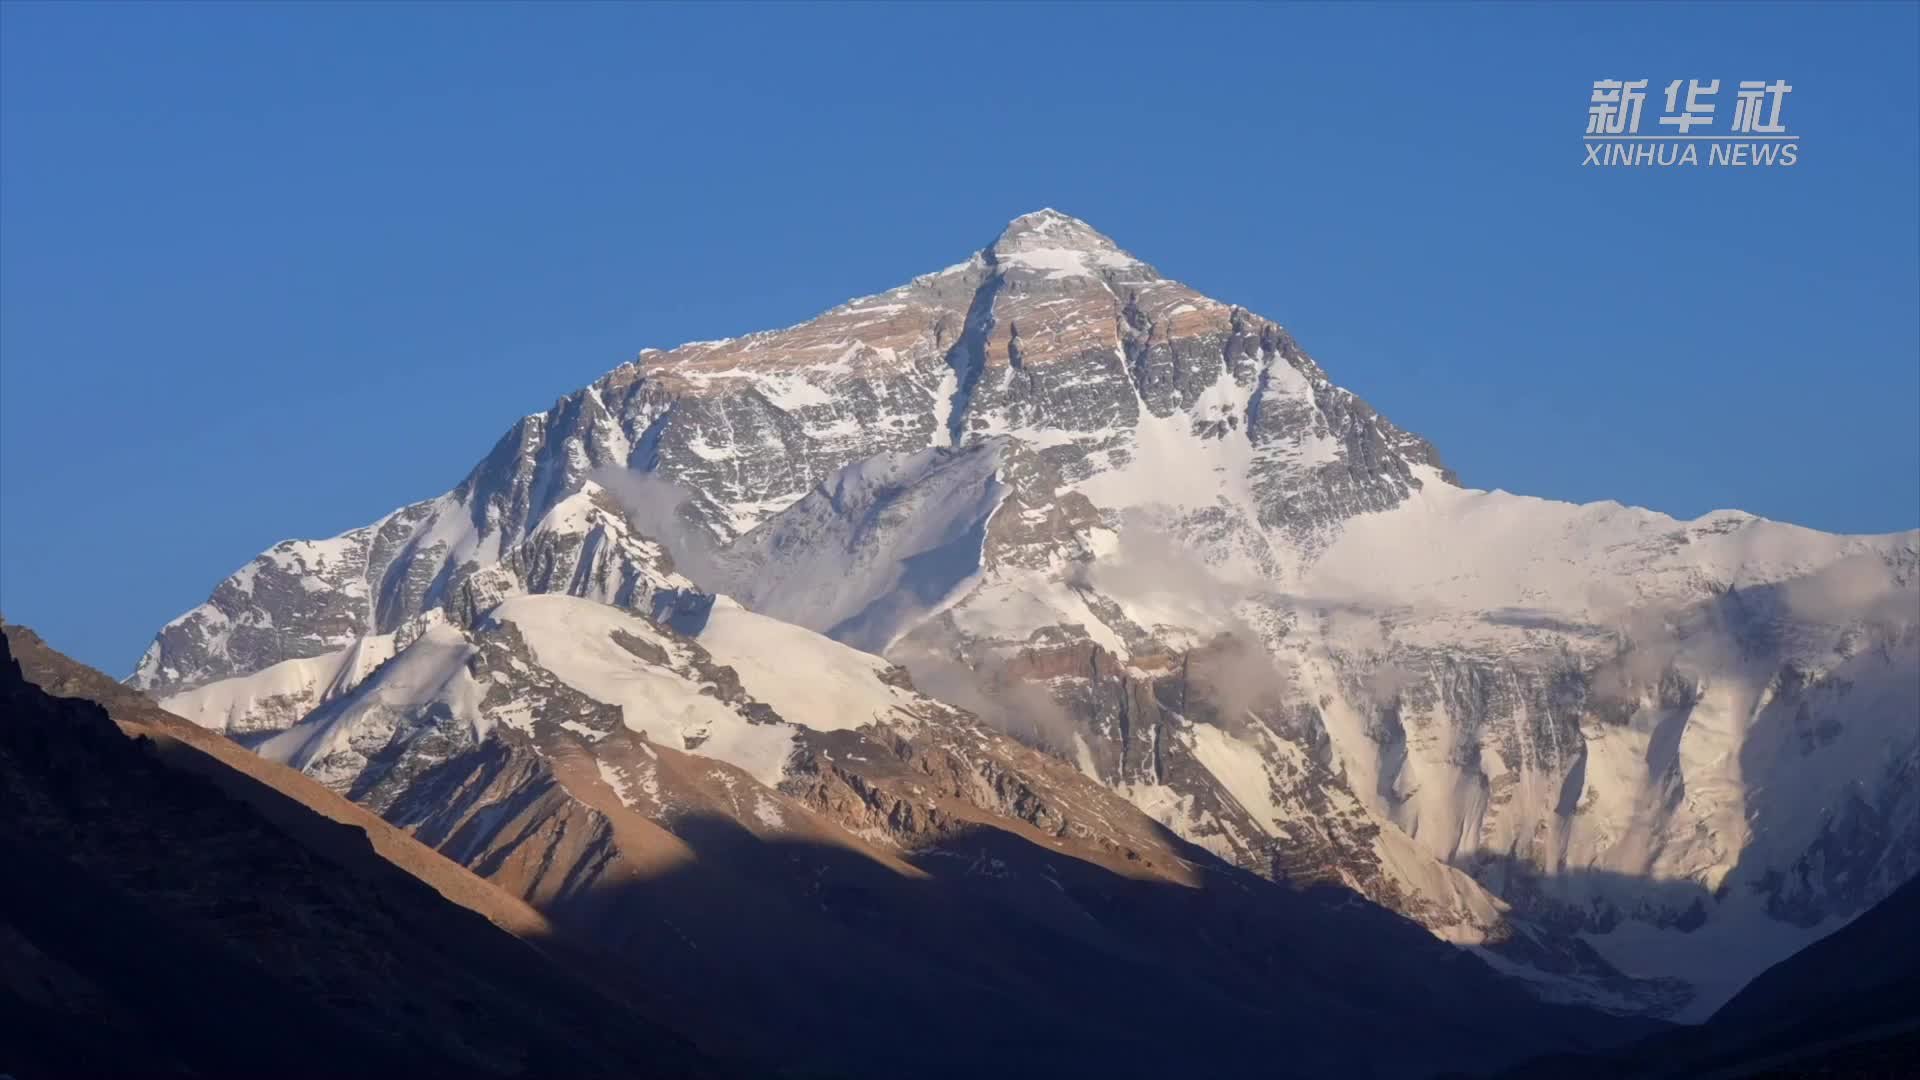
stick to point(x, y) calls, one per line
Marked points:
point(1688, 130)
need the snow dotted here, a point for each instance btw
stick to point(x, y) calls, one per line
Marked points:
point(1482, 550)
point(1008, 607)
point(1717, 959)
point(580, 729)
point(1058, 246)
point(448, 525)
point(767, 812)
point(1057, 262)
point(1241, 768)
point(1457, 564)
point(575, 514)
point(844, 427)
point(622, 788)
point(574, 639)
point(1168, 467)
point(807, 678)
point(707, 451)
point(877, 547)
point(1040, 438)
point(1174, 810)
point(286, 690)
point(943, 395)
point(1083, 758)
point(789, 392)
point(432, 670)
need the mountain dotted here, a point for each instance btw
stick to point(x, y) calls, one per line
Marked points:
point(801, 858)
point(1150, 554)
point(180, 908)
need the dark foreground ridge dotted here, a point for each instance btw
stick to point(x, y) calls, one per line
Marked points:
point(167, 916)
point(1846, 1006)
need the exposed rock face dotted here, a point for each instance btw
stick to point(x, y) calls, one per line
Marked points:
point(1634, 759)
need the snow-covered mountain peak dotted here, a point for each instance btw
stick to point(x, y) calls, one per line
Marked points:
point(1051, 228)
point(1057, 245)
point(1145, 531)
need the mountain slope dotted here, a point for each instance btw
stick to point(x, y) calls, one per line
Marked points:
point(1632, 759)
point(175, 916)
point(842, 873)
point(1848, 1005)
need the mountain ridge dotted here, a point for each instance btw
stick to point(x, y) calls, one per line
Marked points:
point(1220, 586)
point(189, 909)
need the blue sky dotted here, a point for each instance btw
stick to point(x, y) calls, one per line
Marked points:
point(272, 271)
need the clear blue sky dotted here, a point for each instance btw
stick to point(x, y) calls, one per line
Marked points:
point(272, 271)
